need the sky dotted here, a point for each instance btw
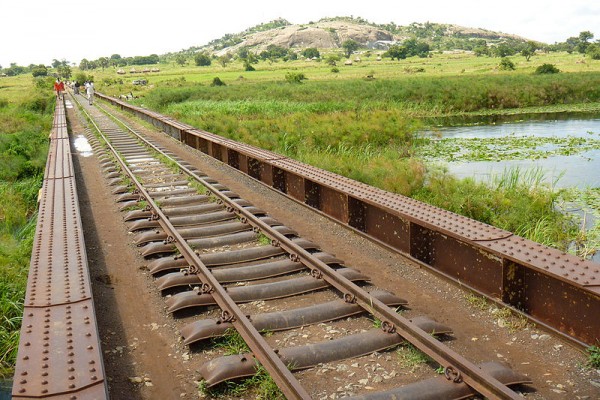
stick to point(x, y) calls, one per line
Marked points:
point(37, 32)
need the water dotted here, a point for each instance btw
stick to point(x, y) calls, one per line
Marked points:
point(5, 390)
point(580, 170)
point(82, 146)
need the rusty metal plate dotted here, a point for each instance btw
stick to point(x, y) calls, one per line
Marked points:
point(255, 152)
point(566, 267)
point(59, 163)
point(58, 352)
point(58, 270)
point(413, 210)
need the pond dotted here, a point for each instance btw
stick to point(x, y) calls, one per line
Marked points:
point(565, 151)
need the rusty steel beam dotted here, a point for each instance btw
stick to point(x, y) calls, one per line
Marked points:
point(59, 353)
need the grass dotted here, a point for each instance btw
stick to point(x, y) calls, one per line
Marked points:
point(26, 108)
point(505, 317)
point(259, 386)
point(593, 357)
point(410, 358)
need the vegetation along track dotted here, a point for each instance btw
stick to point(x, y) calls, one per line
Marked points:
point(206, 247)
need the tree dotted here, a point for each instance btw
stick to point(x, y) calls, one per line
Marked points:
point(243, 53)
point(224, 59)
point(332, 59)
point(503, 50)
point(103, 62)
point(202, 60)
point(64, 71)
point(396, 52)
point(481, 50)
point(416, 47)
point(311, 52)
point(593, 51)
point(180, 59)
point(84, 64)
point(39, 70)
point(584, 38)
point(529, 49)
point(349, 46)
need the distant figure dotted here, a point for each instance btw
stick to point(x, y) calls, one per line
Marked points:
point(59, 87)
point(76, 87)
point(90, 92)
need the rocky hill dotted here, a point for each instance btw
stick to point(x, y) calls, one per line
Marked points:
point(330, 33)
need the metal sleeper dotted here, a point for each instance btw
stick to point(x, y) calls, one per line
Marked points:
point(227, 257)
point(288, 319)
point(241, 274)
point(265, 291)
point(446, 388)
point(301, 357)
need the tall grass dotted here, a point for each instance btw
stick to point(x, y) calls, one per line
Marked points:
point(517, 200)
point(25, 121)
point(450, 94)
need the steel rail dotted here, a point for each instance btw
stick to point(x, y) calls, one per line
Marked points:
point(457, 367)
point(265, 354)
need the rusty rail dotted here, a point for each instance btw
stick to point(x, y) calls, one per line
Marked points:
point(59, 353)
point(558, 291)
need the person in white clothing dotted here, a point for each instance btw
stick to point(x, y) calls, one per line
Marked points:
point(90, 92)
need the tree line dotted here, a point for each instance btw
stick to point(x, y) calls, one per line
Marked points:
point(415, 46)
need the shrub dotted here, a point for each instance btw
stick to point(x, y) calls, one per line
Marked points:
point(38, 103)
point(202, 60)
point(506, 64)
point(547, 69)
point(335, 70)
point(294, 77)
point(593, 51)
point(217, 82)
point(40, 70)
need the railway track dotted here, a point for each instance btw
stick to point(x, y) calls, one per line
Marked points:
point(208, 247)
point(226, 269)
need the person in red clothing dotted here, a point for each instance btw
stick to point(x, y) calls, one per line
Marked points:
point(59, 87)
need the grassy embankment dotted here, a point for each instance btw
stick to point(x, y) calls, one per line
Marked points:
point(364, 128)
point(25, 122)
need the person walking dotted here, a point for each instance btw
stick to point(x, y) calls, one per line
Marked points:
point(59, 87)
point(90, 92)
point(76, 87)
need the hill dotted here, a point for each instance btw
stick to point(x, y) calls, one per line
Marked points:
point(330, 33)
